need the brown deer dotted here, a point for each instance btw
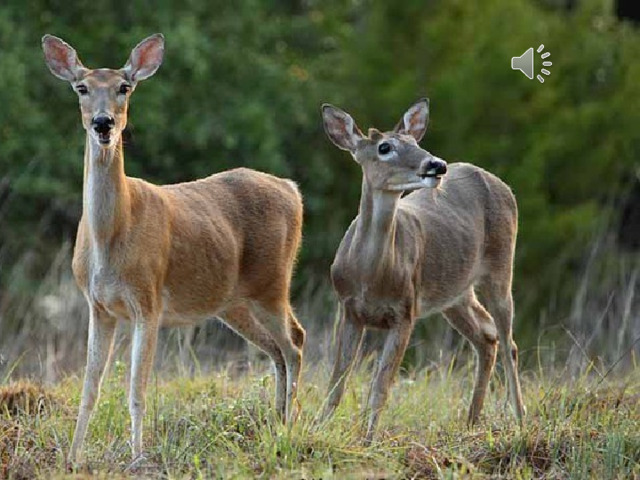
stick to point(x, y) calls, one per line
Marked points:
point(178, 254)
point(404, 258)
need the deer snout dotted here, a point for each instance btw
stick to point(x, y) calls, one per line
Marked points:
point(103, 123)
point(432, 167)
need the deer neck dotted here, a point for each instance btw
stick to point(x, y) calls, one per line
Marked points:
point(106, 201)
point(375, 234)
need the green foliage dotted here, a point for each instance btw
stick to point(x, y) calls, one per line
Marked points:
point(242, 83)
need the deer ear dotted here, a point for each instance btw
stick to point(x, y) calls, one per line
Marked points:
point(62, 59)
point(341, 128)
point(145, 59)
point(415, 120)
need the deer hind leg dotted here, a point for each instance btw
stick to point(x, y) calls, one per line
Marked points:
point(500, 303)
point(393, 351)
point(99, 348)
point(185, 349)
point(297, 336)
point(471, 319)
point(285, 330)
point(241, 319)
point(349, 340)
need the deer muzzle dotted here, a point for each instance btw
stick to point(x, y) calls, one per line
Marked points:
point(432, 167)
point(103, 124)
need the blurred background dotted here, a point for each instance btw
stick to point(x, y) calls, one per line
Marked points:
point(242, 84)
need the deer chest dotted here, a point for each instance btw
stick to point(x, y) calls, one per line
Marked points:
point(103, 287)
point(377, 313)
point(380, 302)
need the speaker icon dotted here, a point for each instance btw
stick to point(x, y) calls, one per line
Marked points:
point(524, 63)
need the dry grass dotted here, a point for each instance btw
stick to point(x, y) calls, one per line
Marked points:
point(26, 397)
point(223, 426)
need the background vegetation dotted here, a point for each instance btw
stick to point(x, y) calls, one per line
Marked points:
point(242, 83)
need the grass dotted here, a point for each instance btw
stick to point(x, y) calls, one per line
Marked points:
point(223, 426)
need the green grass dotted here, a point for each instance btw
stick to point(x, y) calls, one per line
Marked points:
point(220, 426)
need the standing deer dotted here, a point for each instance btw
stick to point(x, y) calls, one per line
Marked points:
point(404, 258)
point(175, 254)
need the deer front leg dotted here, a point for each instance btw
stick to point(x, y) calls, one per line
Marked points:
point(99, 347)
point(145, 339)
point(349, 340)
point(394, 347)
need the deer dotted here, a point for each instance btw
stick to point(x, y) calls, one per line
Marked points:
point(407, 257)
point(174, 255)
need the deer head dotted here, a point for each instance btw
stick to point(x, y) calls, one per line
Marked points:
point(391, 161)
point(103, 93)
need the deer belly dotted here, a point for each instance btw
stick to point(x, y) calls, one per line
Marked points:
point(176, 313)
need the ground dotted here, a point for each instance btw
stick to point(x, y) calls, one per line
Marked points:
point(222, 426)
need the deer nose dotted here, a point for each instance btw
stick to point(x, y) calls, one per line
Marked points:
point(432, 167)
point(103, 123)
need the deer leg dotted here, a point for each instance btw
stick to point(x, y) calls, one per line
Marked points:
point(349, 341)
point(185, 349)
point(99, 348)
point(297, 336)
point(144, 343)
point(393, 351)
point(487, 349)
point(277, 321)
point(474, 322)
point(501, 307)
point(241, 319)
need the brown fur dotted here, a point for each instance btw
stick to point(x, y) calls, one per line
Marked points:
point(405, 258)
point(175, 254)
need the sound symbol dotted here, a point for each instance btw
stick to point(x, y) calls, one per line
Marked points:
point(524, 63)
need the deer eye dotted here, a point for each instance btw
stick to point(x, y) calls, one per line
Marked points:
point(384, 148)
point(124, 89)
point(82, 89)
